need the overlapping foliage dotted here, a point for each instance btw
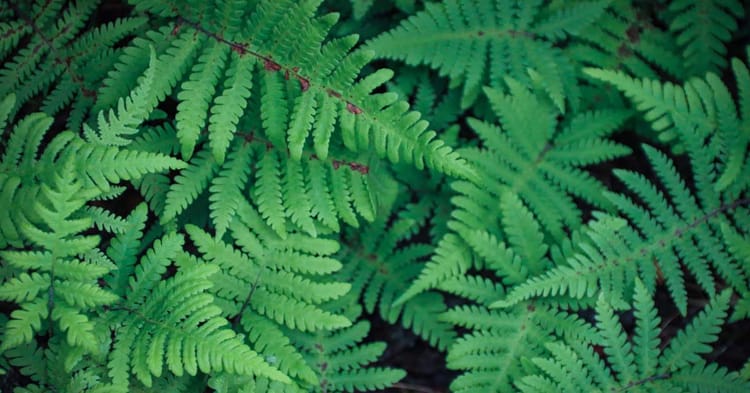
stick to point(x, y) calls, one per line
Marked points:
point(226, 195)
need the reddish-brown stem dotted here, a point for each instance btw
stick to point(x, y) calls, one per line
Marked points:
point(269, 64)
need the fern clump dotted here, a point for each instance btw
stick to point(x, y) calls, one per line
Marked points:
point(238, 196)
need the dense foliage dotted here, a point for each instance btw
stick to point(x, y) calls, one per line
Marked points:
point(226, 195)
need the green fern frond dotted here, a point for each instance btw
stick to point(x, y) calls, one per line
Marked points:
point(297, 203)
point(258, 280)
point(273, 294)
point(380, 269)
point(230, 105)
point(308, 193)
point(131, 112)
point(305, 84)
point(269, 193)
point(184, 333)
point(704, 104)
point(582, 276)
point(189, 184)
point(694, 340)
point(530, 164)
point(530, 160)
point(124, 248)
point(702, 30)
point(492, 355)
point(431, 96)
point(618, 350)
point(197, 93)
point(224, 195)
point(685, 232)
point(678, 367)
point(341, 360)
point(51, 48)
point(624, 38)
point(227, 188)
point(481, 35)
point(271, 341)
point(60, 288)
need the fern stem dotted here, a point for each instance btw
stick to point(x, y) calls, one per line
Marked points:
point(235, 320)
point(268, 63)
point(644, 381)
point(336, 163)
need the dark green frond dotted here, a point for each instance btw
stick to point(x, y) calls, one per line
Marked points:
point(702, 29)
point(678, 367)
point(682, 231)
point(465, 39)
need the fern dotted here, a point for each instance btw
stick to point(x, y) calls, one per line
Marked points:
point(687, 231)
point(573, 366)
point(664, 235)
point(59, 286)
point(380, 270)
point(702, 30)
point(319, 82)
point(625, 38)
point(189, 337)
point(54, 53)
point(342, 361)
point(488, 355)
point(236, 196)
point(53, 268)
point(505, 37)
point(288, 300)
point(705, 104)
point(513, 162)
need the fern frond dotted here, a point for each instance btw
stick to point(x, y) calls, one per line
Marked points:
point(269, 339)
point(709, 378)
point(124, 248)
point(51, 49)
point(60, 290)
point(624, 38)
point(380, 271)
point(226, 189)
point(131, 112)
point(685, 232)
point(197, 93)
point(306, 84)
point(369, 379)
point(582, 276)
point(618, 349)
point(560, 179)
point(178, 326)
point(273, 298)
point(296, 201)
point(703, 30)
point(679, 367)
point(685, 349)
point(526, 158)
point(704, 105)
point(189, 184)
point(278, 295)
point(488, 355)
point(341, 361)
point(269, 195)
point(482, 34)
point(105, 165)
point(230, 105)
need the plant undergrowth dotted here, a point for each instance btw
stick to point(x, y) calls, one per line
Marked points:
point(353, 195)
